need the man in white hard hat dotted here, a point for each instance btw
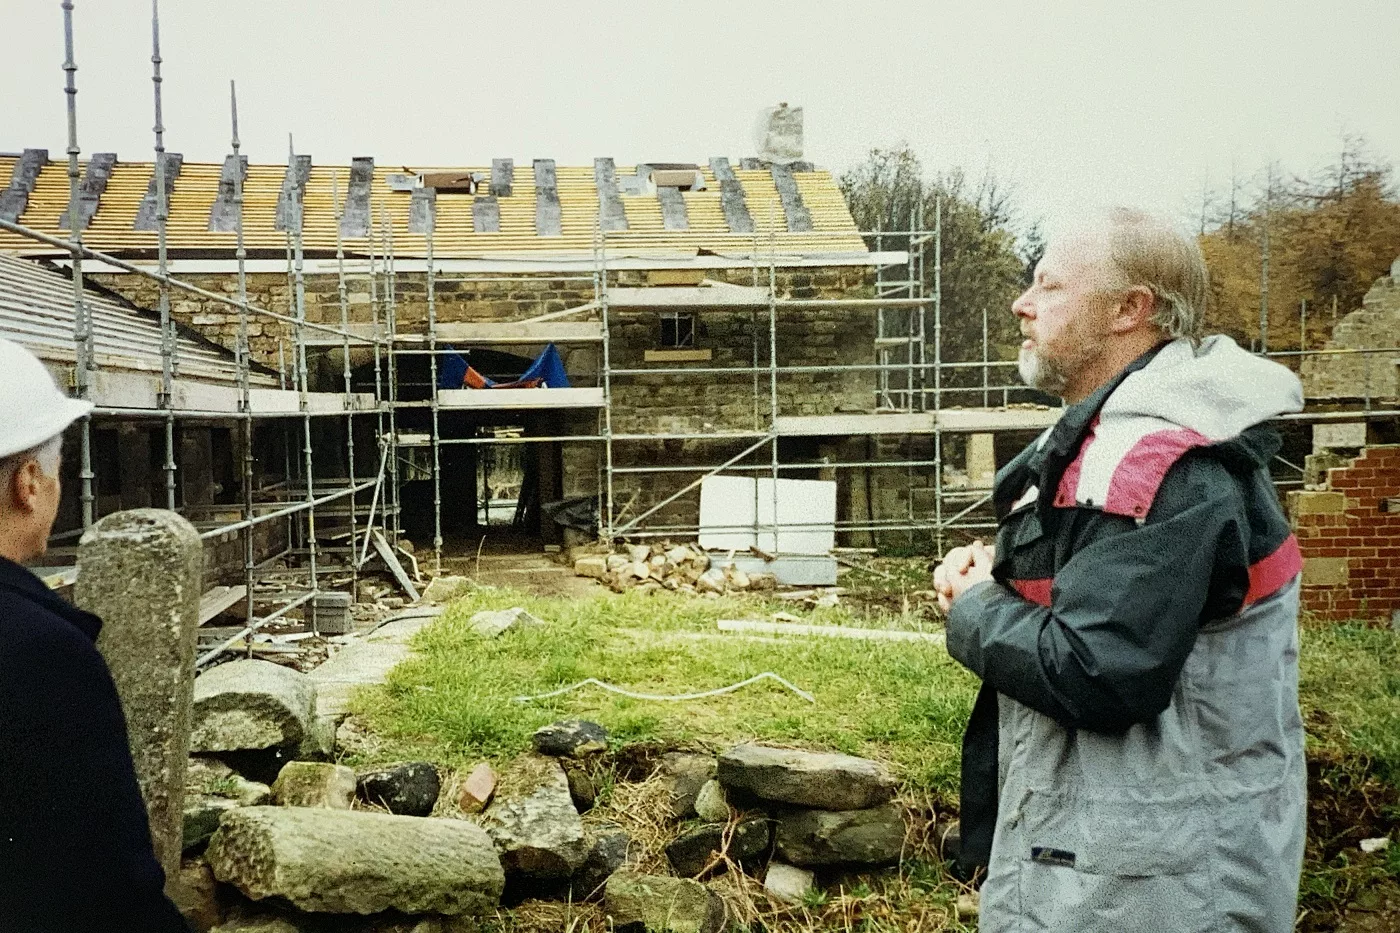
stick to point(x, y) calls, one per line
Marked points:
point(75, 842)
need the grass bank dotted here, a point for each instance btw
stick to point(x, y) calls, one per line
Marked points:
point(902, 702)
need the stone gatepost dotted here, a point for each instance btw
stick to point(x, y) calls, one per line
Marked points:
point(141, 572)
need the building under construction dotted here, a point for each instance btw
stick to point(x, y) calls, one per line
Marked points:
point(315, 363)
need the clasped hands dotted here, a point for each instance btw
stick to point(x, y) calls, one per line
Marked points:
point(961, 569)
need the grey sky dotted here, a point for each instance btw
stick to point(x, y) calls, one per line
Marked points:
point(1076, 103)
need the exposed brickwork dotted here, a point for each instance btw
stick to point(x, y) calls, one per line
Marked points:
point(1351, 548)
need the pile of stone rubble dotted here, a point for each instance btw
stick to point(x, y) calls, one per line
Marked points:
point(681, 567)
point(279, 838)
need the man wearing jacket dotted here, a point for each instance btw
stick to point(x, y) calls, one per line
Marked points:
point(75, 844)
point(1134, 760)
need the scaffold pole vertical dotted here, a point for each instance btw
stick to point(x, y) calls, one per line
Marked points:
point(82, 323)
point(345, 354)
point(167, 327)
point(433, 378)
point(243, 352)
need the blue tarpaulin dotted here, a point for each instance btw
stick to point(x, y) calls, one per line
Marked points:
point(546, 372)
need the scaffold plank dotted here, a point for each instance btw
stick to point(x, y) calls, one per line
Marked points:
point(582, 397)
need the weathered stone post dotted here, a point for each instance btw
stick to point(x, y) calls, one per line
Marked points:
point(141, 572)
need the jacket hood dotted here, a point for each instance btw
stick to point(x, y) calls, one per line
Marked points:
point(1216, 389)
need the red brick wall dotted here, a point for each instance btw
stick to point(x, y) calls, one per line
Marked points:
point(1351, 548)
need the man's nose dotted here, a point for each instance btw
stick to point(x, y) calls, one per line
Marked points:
point(1022, 307)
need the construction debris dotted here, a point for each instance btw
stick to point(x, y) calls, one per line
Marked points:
point(680, 568)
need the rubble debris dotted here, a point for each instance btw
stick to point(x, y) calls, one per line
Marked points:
point(787, 883)
point(710, 803)
point(533, 823)
point(570, 738)
point(401, 863)
point(608, 849)
point(250, 704)
point(477, 790)
point(684, 774)
point(444, 589)
point(490, 623)
point(814, 838)
point(806, 779)
point(405, 789)
point(663, 904)
point(315, 784)
point(695, 852)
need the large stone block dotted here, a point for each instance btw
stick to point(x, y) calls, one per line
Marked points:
point(659, 904)
point(533, 822)
point(1324, 571)
point(1310, 502)
point(806, 779)
point(353, 862)
point(812, 838)
point(250, 704)
point(141, 571)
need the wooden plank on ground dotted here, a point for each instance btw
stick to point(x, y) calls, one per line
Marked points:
point(756, 627)
point(219, 600)
point(386, 554)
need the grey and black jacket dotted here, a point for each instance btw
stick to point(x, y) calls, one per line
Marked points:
point(1134, 759)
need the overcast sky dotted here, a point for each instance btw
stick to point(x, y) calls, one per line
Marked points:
point(1076, 103)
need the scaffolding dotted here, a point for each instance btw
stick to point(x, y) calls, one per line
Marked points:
point(912, 397)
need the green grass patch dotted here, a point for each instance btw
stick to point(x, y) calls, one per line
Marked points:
point(904, 703)
point(1350, 692)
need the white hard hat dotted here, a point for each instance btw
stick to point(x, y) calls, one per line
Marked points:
point(32, 409)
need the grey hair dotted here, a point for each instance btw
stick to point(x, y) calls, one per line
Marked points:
point(1152, 253)
point(48, 455)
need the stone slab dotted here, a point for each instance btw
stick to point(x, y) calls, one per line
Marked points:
point(806, 779)
point(402, 863)
point(141, 572)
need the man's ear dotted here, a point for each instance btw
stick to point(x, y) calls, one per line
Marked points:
point(22, 489)
point(1134, 310)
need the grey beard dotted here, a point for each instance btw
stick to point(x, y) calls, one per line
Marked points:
point(1041, 373)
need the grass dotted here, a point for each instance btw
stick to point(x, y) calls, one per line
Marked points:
point(1350, 693)
point(904, 703)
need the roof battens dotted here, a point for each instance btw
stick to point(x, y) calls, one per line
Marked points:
point(354, 219)
point(99, 169)
point(548, 216)
point(422, 210)
point(502, 177)
point(15, 198)
point(731, 197)
point(799, 219)
point(293, 196)
point(486, 214)
point(223, 214)
point(612, 216)
point(146, 215)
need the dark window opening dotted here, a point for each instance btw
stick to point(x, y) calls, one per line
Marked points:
point(677, 329)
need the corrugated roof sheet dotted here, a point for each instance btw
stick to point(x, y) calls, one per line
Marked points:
point(36, 310)
point(197, 188)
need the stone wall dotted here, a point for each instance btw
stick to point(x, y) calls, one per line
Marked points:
point(669, 403)
point(1349, 533)
point(1361, 375)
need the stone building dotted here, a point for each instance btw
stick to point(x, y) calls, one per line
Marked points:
point(1375, 326)
point(734, 298)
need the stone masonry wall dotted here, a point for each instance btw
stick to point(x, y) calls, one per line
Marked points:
point(1349, 533)
point(1359, 375)
point(672, 403)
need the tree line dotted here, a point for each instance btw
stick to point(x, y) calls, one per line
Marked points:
point(1289, 254)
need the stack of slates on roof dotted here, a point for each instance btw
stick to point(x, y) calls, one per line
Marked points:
point(538, 206)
